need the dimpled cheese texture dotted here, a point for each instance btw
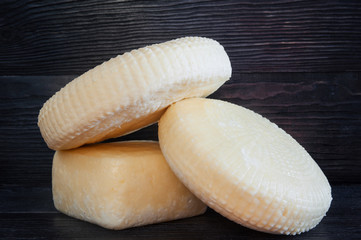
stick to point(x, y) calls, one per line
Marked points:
point(243, 166)
point(120, 185)
point(132, 91)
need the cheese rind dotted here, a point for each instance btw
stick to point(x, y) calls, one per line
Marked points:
point(243, 166)
point(132, 91)
point(120, 185)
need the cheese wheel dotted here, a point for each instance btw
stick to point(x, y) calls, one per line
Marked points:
point(132, 91)
point(120, 185)
point(243, 166)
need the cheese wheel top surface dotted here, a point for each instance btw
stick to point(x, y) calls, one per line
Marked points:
point(120, 185)
point(131, 91)
point(244, 166)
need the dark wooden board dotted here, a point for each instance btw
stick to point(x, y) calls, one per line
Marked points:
point(295, 62)
point(69, 37)
point(321, 111)
point(38, 219)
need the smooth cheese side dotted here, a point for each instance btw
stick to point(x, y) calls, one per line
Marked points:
point(132, 91)
point(243, 166)
point(120, 185)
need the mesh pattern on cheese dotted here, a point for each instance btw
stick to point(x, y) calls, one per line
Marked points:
point(132, 90)
point(246, 168)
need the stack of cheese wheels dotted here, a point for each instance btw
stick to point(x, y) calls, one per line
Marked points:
point(232, 159)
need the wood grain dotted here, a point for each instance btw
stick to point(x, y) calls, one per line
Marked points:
point(320, 110)
point(295, 62)
point(39, 220)
point(69, 37)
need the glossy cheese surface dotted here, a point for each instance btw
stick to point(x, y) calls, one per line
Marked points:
point(120, 185)
point(244, 166)
point(132, 91)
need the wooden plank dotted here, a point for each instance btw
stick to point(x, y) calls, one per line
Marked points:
point(41, 222)
point(320, 110)
point(69, 37)
point(38, 199)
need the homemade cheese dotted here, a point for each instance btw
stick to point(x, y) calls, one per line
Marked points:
point(132, 91)
point(243, 166)
point(120, 185)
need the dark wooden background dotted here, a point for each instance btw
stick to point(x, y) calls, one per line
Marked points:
point(296, 62)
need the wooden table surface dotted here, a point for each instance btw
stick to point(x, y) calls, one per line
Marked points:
point(295, 62)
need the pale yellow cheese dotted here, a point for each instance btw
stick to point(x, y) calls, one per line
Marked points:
point(120, 185)
point(243, 166)
point(132, 91)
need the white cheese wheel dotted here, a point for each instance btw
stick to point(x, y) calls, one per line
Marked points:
point(132, 91)
point(120, 185)
point(243, 166)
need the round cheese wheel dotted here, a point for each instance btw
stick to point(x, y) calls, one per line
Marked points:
point(244, 166)
point(132, 91)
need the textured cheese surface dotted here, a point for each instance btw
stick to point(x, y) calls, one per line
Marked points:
point(120, 185)
point(132, 91)
point(244, 166)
